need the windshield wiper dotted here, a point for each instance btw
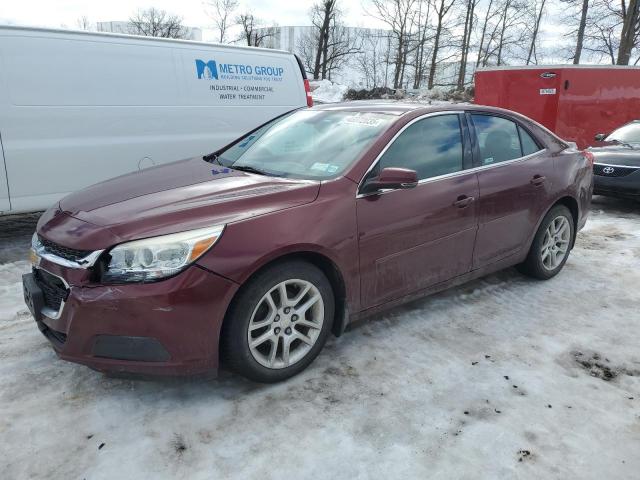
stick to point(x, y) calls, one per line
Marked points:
point(624, 144)
point(248, 169)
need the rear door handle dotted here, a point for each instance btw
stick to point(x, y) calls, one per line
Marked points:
point(538, 180)
point(463, 201)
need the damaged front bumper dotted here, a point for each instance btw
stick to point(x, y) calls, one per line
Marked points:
point(169, 327)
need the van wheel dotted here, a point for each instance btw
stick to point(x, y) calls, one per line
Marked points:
point(551, 245)
point(278, 323)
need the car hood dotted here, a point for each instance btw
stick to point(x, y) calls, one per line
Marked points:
point(617, 155)
point(166, 199)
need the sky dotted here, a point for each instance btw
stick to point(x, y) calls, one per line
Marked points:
point(56, 13)
point(66, 13)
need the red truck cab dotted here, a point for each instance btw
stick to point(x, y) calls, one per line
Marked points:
point(576, 102)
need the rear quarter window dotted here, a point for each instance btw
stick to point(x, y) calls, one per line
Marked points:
point(529, 145)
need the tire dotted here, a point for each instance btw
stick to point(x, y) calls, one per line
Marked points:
point(540, 262)
point(278, 324)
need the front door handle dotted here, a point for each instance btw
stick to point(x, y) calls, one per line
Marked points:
point(463, 201)
point(538, 180)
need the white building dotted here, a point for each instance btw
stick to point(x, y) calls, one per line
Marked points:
point(193, 33)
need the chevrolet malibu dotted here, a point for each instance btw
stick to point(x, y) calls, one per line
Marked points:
point(250, 257)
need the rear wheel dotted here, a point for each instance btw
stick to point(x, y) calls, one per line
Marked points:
point(279, 322)
point(551, 245)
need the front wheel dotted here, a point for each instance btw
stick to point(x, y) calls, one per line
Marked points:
point(278, 323)
point(551, 245)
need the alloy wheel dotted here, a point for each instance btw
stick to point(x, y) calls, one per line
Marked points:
point(286, 323)
point(555, 244)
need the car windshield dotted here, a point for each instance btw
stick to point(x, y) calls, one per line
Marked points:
point(307, 144)
point(629, 133)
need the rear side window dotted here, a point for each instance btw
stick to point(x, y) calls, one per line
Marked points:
point(529, 146)
point(432, 147)
point(498, 139)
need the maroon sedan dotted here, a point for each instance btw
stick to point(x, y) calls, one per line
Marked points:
point(253, 255)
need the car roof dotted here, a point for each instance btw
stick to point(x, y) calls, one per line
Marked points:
point(401, 108)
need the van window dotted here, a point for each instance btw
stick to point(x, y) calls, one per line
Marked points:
point(497, 138)
point(432, 147)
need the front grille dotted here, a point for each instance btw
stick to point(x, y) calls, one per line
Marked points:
point(53, 288)
point(63, 252)
point(56, 337)
point(612, 171)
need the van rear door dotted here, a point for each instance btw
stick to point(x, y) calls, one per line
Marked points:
point(5, 206)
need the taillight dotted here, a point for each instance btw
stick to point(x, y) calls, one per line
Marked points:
point(307, 89)
point(588, 156)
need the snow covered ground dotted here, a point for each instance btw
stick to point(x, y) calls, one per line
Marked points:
point(504, 377)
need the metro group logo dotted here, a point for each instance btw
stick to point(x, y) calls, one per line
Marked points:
point(206, 70)
point(214, 70)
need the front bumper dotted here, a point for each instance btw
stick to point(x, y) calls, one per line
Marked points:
point(625, 186)
point(170, 327)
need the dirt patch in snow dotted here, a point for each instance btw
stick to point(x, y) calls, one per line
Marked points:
point(600, 367)
point(524, 455)
point(602, 237)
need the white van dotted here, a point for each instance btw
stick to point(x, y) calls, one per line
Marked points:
point(77, 108)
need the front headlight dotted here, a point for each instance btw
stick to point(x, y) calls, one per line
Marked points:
point(159, 257)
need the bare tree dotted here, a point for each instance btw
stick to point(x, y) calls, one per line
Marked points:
point(582, 26)
point(483, 47)
point(509, 32)
point(466, 41)
point(252, 32)
point(329, 45)
point(399, 16)
point(222, 14)
point(84, 23)
point(441, 9)
point(322, 14)
point(152, 22)
point(423, 37)
point(368, 60)
point(343, 45)
point(536, 30)
point(601, 38)
point(630, 34)
point(613, 31)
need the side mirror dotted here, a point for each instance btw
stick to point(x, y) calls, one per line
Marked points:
point(600, 137)
point(391, 178)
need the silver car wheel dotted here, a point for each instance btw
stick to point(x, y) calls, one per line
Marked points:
point(286, 324)
point(555, 244)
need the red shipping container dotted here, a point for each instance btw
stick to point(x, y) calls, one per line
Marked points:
point(574, 101)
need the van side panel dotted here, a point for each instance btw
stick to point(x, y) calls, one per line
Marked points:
point(83, 108)
point(531, 92)
point(5, 204)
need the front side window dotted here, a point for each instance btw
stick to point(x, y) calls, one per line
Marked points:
point(431, 146)
point(307, 144)
point(499, 139)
